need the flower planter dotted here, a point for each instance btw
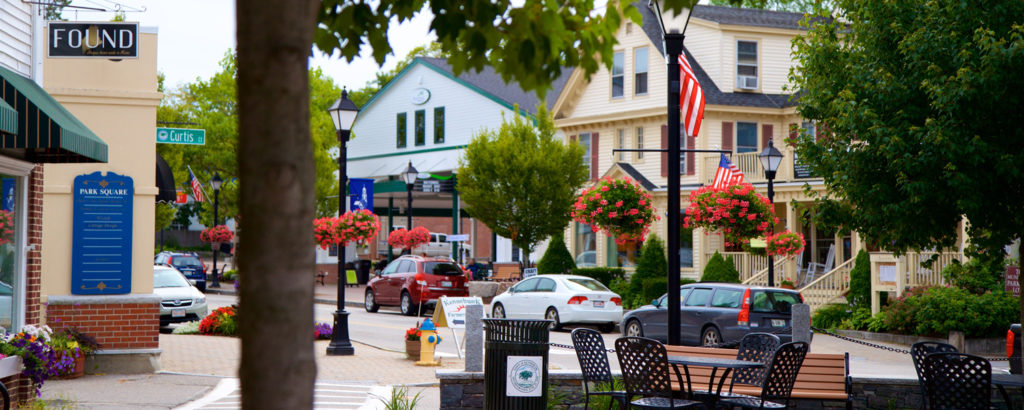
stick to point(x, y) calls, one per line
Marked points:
point(412, 349)
point(77, 371)
point(10, 366)
point(787, 286)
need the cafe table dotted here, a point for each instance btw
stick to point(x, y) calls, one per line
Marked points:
point(714, 363)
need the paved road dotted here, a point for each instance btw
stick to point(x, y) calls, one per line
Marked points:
point(386, 328)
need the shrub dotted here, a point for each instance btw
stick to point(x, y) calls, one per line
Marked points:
point(831, 316)
point(222, 321)
point(936, 311)
point(651, 264)
point(604, 275)
point(860, 281)
point(557, 258)
point(720, 269)
point(653, 288)
point(230, 275)
point(187, 328)
point(976, 276)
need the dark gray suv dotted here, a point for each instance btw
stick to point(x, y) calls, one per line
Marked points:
point(711, 313)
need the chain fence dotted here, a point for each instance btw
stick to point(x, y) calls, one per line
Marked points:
point(735, 343)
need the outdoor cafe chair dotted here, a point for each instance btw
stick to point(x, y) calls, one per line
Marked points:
point(957, 381)
point(644, 364)
point(594, 365)
point(918, 351)
point(778, 381)
point(754, 347)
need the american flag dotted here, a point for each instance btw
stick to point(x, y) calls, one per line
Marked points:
point(197, 187)
point(691, 98)
point(727, 174)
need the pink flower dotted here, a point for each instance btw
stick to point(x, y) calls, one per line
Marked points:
point(618, 204)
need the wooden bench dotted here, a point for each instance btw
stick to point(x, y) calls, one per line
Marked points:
point(506, 272)
point(822, 376)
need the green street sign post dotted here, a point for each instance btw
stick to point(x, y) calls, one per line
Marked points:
point(180, 136)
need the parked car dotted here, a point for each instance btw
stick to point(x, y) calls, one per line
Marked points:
point(187, 263)
point(586, 259)
point(179, 300)
point(561, 299)
point(711, 313)
point(415, 282)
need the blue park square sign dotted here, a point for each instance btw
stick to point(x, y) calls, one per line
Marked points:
point(101, 234)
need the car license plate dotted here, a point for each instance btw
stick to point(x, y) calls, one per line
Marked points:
point(446, 284)
point(178, 313)
point(778, 322)
point(598, 303)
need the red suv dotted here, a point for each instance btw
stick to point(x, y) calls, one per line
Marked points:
point(415, 282)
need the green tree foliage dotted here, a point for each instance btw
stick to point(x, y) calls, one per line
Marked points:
point(164, 215)
point(557, 258)
point(978, 275)
point(651, 265)
point(212, 105)
point(918, 106)
point(860, 280)
point(720, 269)
point(520, 181)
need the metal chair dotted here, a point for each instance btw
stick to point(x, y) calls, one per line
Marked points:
point(957, 381)
point(778, 381)
point(644, 364)
point(918, 351)
point(754, 347)
point(594, 365)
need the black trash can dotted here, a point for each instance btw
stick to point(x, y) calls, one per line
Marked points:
point(363, 271)
point(515, 364)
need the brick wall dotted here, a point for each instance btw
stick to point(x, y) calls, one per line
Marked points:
point(33, 270)
point(115, 325)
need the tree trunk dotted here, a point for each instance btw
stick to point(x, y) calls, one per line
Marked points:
point(276, 173)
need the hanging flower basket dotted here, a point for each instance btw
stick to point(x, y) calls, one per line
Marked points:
point(409, 239)
point(397, 238)
point(216, 234)
point(619, 207)
point(738, 211)
point(354, 226)
point(785, 243)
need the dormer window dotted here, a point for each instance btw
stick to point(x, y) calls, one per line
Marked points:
point(746, 65)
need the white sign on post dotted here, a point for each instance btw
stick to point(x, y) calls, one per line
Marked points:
point(525, 377)
point(528, 272)
point(451, 311)
point(458, 238)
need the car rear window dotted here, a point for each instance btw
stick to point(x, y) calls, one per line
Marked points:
point(774, 302)
point(727, 298)
point(179, 261)
point(582, 284)
point(441, 268)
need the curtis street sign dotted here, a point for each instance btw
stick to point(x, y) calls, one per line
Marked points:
point(180, 136)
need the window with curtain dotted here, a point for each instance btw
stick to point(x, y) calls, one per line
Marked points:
point(421, 127)
point(618, 74)
point(640, 71)
point(746, 137)
point(746, 64)
point(439, 125)
point(400, 130)
point(639, 142)
point(584, 140)
point(621, 144)
point(585, 246)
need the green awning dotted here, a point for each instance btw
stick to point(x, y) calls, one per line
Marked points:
point(8, 118)
point(45, 131)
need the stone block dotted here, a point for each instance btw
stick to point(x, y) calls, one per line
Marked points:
point(451, 395)
point(474, 338)
point(483, 289)
point(801, 323)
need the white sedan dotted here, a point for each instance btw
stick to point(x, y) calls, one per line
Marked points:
point(561, 299)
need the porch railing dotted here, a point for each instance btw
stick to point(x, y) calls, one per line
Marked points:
point(761, 278)
point(829, 287)
point(918, 275)
point(789, 169)
point(746, 264)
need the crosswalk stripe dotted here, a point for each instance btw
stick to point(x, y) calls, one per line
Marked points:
point(326, 395)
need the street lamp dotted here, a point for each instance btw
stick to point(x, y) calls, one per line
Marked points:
point(215, 183)
point(770, 160)
point(343, 113)
point(409, 176)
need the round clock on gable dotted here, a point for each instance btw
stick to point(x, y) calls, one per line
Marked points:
point(420, 96)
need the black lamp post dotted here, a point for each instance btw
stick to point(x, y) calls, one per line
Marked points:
point(770, 160)
point(409, 176)
point(343, 114)
point(215, 183)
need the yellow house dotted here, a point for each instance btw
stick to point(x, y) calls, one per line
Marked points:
point(742, 58)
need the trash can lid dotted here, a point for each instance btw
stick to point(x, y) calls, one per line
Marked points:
point(427, 325)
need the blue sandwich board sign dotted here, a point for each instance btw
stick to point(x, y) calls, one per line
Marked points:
point(101, 234)
point(360, 191)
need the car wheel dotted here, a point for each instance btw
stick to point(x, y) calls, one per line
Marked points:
point(633, 329)
point(608, 328)
point(370, 302)
point(552, 315)
point(406, 304)
point(710, 337)
point(498, 312)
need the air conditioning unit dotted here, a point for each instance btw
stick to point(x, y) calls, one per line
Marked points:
point(746, 82)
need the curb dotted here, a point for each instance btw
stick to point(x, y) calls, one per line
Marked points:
point(322, 301)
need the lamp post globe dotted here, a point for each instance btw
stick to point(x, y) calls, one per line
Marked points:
point(409, 176)
point(770, 159)
point(343, 114)
point(216, 183)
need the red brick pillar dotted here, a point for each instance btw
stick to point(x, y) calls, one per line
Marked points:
point(127, 326)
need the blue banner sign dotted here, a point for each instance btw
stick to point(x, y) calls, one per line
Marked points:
point(7, 187)
point(101, 241)
point(360, 194)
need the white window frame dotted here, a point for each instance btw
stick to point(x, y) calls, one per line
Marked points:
point(741, 79)
point(646, 72)
point(639, 143)
point(737, 137)
point(21, 171)
point(586, 148)
point(621, 56)
point(682, 146)
point(621, 142)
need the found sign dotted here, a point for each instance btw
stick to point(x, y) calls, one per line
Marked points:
point(451, 311)
point(187, 136)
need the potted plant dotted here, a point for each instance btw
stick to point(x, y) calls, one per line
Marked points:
point(71, 346)
point(322, 331)
point(619, 207)
point(737, 211)
point(412, 342)
point(787, 284)
point(40, 361)
point(216, 235)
